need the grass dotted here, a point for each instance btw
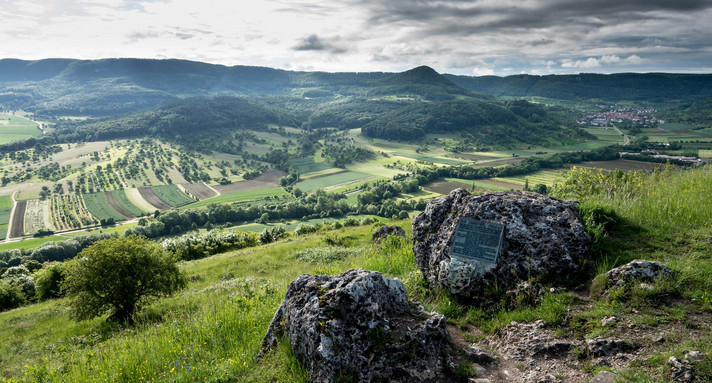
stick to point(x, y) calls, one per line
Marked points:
point(212, 330)
point(333, 180)
point(5, 210)
point(100, 208)
point(30, 243)
point(546, 177)
point(308, 165)
point(478, 184)
point(244, 196)
point(15, 128)
point(123, 200)
point(171, 195)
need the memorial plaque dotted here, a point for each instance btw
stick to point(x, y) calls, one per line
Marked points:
point(474, 239)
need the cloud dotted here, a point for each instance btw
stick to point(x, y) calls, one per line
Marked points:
point(313, 42)
point(593, 62)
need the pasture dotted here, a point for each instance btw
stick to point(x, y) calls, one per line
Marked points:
point(100, 208)
point(172, 195)
point(330, 180)
point(15, 128)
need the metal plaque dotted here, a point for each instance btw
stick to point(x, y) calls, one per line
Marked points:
point(480, 240)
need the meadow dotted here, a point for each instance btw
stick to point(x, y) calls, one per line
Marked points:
point(330, 180)
point(15, 128)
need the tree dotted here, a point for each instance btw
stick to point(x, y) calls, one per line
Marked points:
point(118, 274)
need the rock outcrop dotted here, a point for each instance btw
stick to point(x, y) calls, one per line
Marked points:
point(541, 237)
point(637, 271)
point(384, 231)
point(360, 326)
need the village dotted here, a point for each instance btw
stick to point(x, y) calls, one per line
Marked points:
point(611, 114)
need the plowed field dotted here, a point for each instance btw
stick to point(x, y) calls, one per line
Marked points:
point(149, 195)
point(18, 220)
point(199, 190)
point(112, 201)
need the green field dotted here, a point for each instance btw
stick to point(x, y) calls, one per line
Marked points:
point(14, 128)
point(419, 157)
point(307, 165)
point(546, 177)
point(124, 202)
point(244, 196)
point(5, 210)
point(171, 195)
point(478, 184)
point(30, 243)
point(99, 207)
point(336, 179)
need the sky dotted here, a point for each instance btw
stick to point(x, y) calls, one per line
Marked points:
point(477, 37)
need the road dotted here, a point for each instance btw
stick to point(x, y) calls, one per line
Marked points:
point(626, 139)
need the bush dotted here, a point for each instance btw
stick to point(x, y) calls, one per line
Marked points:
point(305, 228)
point(196, 246)
point(272, 234)
point(117, 275)
point(49, 280)
point(325, 254)
point(10, 296)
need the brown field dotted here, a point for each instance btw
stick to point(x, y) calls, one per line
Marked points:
point(500, 162)
point(323, 175)
point(18, 219)
point(268, 179)
point(444, 187)
point(148, 194)
point(469, 156)
point(620, 164)
point(199, 190)
point(112, 202)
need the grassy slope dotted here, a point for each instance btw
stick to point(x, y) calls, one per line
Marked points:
point(212, 330)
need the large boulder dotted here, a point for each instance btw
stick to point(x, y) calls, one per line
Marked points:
point(637, 271)
point(542, 235)
point(359, 326)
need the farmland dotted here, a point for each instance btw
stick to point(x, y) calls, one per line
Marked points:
point(199, 190)
point(626, 165)
point(171, 195)
point(124, 202)
point(546, 177)
point(308, 165)
point(18, 219)
point(134, 196)
point(330, 180)
point(15, 128)
point(109, 195)
point(244, 196)
point(268, 179)
point(36, 216)
point(5, 211)
point(100, 208)
point(69, 212)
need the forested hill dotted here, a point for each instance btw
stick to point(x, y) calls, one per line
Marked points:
point(650, 87)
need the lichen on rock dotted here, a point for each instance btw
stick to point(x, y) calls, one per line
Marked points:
point(542, 237)
point(360, 325)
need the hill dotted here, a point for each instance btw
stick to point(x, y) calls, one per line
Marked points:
point(213, 329)
point(645, 87)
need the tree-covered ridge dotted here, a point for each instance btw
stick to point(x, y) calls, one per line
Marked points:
point(649, 87)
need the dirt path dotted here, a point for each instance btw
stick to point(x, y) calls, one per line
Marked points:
point(626, 139)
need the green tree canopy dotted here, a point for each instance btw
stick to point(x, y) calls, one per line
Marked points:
point(118, 274)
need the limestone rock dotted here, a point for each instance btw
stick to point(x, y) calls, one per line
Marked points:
point(637, 271)
point(604, 377)
point(681, 370)
point(384, 231)
point(525, 342)
point(609, 320)
point(479, 354)
point(598, 347)
point(360, 325)
point(541, 237)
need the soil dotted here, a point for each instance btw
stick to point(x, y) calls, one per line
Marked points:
point(445, 187)
point(199, 190)
point(148, 194)
point(268, 179)
point(18, 219)
point(115, 205)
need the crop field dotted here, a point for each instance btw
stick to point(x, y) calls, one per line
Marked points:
point(5, 210)
point(18, 219)
point(483, 184)
point(115, 205)
point(330, 180)
point(444, 187)
point(124, 202)
point(199, 190)
point(69, 212)
point(36, 216)
point(308, 165)
point(626, 165)
point(172, 195)
point(149, 195)
point(100, 208)
point(14, 128)
point(137, 199)
point(546, 177)
point(268, 179)
point(705, 153)
point(420, 157)
point(243, 196)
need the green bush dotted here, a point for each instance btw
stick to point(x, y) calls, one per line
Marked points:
point(325, 254)
point(11, 296)
point(49, 281)
point(119, 273)
point(272, 234)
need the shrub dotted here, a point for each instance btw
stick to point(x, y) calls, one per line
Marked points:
point(10, 296)
point(272, 234)
point(305, 228)
point(119, 273)
point(196, 246)
point(49, 280)
point(325, 254)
